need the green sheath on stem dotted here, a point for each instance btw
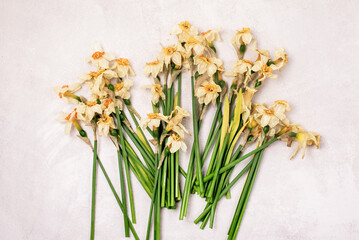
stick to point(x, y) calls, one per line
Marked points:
point(93, 199)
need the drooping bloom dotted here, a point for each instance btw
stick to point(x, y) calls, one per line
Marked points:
point(153, 120)
point(280, 107)
point(99, 58)
point(240, 67)
point(68, 119)
point(175, 142)
point(211, 35)
point(281, 59)
point(153, 68)
point(207, 92)
point(242, 37)
point(207, 65)
point(156, 92)
point(67, 92)
point(296, 133)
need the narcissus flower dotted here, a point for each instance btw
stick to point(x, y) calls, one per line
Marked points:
point(242, 37)
point(211, 35)
point(207, 65)
point(68, 119)
point(240, 67)
point(207, 92)
point(194, 46)
point(104, 124)
point(67, 91)
point(108, 105)
point(304, 139)
point(122, 89)
point(153, 68)
point(99, 58)
point(123, 68)
point(265, 116)
point(281, 59)
point(153, 120)
point(174, 143)
point(280, 107)
point(184, 30)
point(156, 92)
point(172, 54)
point(86, 112)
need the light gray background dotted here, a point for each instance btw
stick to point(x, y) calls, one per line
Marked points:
point(45, 176)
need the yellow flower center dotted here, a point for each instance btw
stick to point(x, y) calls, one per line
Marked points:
point(152, 115)
point(119, 86)
point(176, 137)
point(97, 55)
point(204, 33)
point(205, 59)
point(91, 103)
point(158, 88)
point(105, 119)
point(123, 62)
point(96, 74)
point(243, 31)
point(210, 88)
point(169, 50)
point(266, 70)
point(192, 41)
point(185, 26)
point(108, 101)
point(153, 63)
point(268, 112)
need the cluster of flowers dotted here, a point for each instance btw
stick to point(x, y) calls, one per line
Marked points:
point(237, 124)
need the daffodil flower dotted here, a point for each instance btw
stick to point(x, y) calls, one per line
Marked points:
point(211, 35)
point(68, 119)
point(67, 91)
point(86, 112)
point(99, 58)
point(153, 120)
point(104, 124)
point(123, 68)
point(281, 59)
point(280, 107)
point(153, 68)
point(303, 138)
point(242, 37)
point(156, 92)
point(174, 143)
point(240, 67)
point(172, 54)
point(207, 92)
point(207, 65)
point(184, 30)
point(194, 46)
point(265, 116)
point(122, 89)
point(108, 105)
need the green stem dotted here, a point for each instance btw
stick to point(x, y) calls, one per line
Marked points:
point(234, 163)
point(93, 199)
point(127, 171)
point(124, 211)
point(196, 141)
